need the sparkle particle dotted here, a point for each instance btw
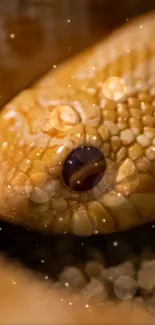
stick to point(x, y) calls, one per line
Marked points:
point(115, 243)
point(66, 284)
point(86, 305)
point(14, 282)
point(12, 35)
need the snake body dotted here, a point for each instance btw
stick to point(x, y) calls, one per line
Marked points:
point(104, 98)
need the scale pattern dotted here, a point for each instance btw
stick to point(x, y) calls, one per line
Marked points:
point(104, 97)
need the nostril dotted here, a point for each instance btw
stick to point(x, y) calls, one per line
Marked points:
point(83, 168)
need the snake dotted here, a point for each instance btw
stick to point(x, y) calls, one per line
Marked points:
point(77, 148)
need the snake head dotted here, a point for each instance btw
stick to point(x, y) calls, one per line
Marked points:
point(78, 148)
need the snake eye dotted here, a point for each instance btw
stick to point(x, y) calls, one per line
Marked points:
point(83, 168)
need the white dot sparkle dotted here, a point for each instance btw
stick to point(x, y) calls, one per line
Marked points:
point(12, 35)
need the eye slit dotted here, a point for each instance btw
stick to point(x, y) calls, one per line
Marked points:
point(84, 168)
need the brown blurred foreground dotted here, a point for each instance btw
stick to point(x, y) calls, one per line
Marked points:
point(24, 299)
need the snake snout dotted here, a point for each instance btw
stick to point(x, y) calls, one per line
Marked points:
point(83, 168)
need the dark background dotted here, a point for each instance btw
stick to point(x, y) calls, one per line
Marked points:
point(37, 34)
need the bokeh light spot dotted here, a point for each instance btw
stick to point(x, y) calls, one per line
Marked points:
point(114, 88)
point(63, 117)
point(125, 287)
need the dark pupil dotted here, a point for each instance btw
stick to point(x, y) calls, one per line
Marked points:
point(81, 161)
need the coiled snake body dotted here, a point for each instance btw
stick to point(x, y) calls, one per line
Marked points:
point(77, 150)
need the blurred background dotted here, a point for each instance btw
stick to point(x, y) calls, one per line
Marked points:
point(37, 34)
